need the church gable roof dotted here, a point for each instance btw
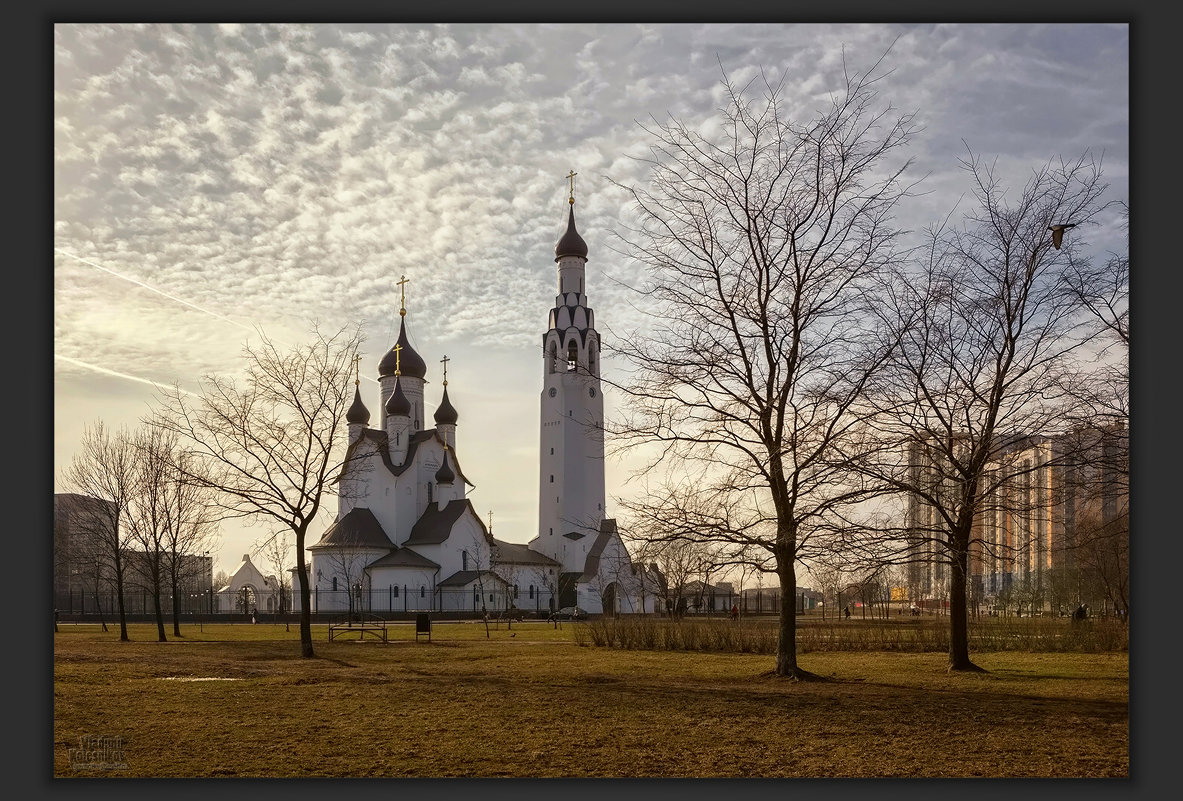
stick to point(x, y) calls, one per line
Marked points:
point(517, 554)
point(591, 566)
point(246, 573)
point(357, 529)
point(435, 526)
point(462, 578)
point(402, 557)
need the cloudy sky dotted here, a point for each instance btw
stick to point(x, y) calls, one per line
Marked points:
point(211, 179)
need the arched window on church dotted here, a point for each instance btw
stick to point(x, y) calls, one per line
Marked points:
point(531, 592)
point(554, 357)
point(464, 560)
point(591, 358)
point(422, 591)
point(572, 356)
point(394, 589)
point(429, 493)
point(334, 583)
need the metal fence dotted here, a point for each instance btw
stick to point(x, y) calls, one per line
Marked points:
point(536, 601)
point(406, 599)
point(136, 600)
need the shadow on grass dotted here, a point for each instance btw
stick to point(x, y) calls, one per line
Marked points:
point(797, 675)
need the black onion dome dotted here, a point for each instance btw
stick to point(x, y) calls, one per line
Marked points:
point(572, 243)
point(445, 475)
point(446, 413)
point(397, 403)
point(409, 362)
point(358, 413)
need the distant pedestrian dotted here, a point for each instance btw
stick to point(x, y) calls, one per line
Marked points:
point(734, 612)
point(846, 612)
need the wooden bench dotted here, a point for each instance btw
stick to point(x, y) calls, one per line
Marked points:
point(376, 628)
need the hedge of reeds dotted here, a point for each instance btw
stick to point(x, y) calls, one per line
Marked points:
point(759, 636)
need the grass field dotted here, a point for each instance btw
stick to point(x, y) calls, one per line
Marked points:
point(237, 700)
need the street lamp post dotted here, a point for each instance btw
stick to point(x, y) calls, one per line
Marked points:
point(210, 577)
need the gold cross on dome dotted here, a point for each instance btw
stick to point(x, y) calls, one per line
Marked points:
point(402, 291)
point(490, 521)
point(356, 369)
point(571, 177)
point(397, 360)
point(444, 361)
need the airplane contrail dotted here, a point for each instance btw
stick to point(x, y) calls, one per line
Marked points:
point(158, 292)
point(153, 289)
point(117, 374)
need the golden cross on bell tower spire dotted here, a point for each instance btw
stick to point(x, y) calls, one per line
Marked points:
point(356, 370)
point(397, 360)
point(402, 290)
point(490, 521)
point(444, 361)
point(571, 177)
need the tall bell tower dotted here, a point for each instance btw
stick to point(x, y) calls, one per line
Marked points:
point(571, 461)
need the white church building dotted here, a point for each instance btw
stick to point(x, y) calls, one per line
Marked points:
point(406, 538)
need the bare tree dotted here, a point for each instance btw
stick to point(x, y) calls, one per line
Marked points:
point(548, 580)
point(984, 331)
point(149, 515)
point(276, 551)
point(1102, 463)
point(762, 243)
point(189, 530)
point(482, 550)
point(346, 564)
point(830, 579)
point(105, 467)
point(1104, 556)
point(679, 561)
point(273, 445)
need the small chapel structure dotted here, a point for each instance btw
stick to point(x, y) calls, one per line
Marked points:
point(248, 590)
point(406, 538)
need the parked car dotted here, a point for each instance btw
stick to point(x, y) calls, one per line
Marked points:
point(568, 613)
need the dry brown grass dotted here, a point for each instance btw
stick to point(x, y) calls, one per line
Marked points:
point(538, 704)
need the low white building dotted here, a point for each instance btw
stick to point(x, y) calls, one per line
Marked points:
point(248, 590)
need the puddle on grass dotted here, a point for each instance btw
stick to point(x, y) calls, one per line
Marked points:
point(198, 678)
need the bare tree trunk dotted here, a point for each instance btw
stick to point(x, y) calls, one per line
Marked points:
point(98, 602)
point(305, 597)
point(176, 592)
point(122, 606)
point(786, 646)
point(958, 623)
point(156, 593)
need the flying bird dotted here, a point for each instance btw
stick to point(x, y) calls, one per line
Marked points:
point(1058, 233)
